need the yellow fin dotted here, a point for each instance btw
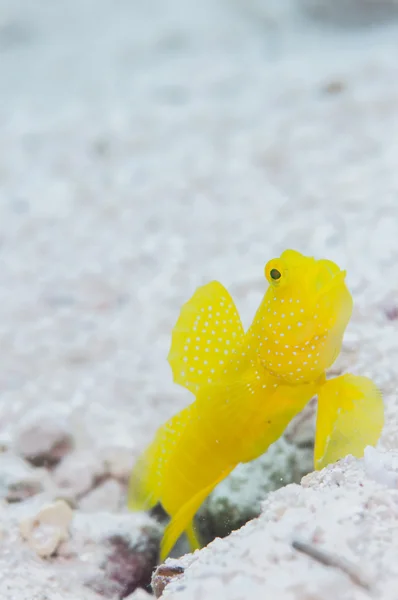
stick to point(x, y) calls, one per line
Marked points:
point(180, 522)
point(207, 331)
point(147, 476)
point(141, 496)
point(350, 417)
point(192, 538)
point(212, 442)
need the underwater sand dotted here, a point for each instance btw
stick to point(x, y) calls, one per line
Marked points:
point(145, 149)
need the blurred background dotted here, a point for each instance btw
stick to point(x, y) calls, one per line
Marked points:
point(150, 146)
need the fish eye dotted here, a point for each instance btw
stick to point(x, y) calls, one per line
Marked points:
point(275, 274)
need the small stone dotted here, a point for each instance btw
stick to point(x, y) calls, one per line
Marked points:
point(107, 496)
point(139, 594)
point(118, 462)
point(117, 552)
point(43, 439)
point(78, 473)
point(334, 87)
point(163, 575)
point(48, 528)
point(389, 307)
point(126, 567)
point(18, 480)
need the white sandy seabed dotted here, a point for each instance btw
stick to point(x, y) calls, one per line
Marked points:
point(145, 149)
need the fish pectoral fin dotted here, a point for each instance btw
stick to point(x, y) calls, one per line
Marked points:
point(180, 522)
point(207, 331)
point(350, 417)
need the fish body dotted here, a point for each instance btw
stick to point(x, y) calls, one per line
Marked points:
point(249, 385)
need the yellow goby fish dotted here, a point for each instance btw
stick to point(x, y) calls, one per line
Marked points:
point(248, 387)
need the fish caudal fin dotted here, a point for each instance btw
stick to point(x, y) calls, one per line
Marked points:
point(350, 417)
point(206, 333)
point(181, 521)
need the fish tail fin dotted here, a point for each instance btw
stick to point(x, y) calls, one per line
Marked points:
point(182, 520)
point(192, 537)
point(205, 335)
point(350, 417)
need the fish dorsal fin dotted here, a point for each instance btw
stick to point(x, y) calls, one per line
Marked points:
point(205, 336)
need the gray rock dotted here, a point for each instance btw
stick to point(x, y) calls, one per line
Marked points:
point(115, 553)
point(79, 473)
point(164, 574)
point(351, 12)
point(118, 462)
point(48, 552)
point(18, 480)
point(107, 496)
point(43, 439)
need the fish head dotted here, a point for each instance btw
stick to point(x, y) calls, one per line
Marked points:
point(306, 310)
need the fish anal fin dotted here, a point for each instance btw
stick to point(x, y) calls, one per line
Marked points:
point(350, 417)
point(205, 335)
